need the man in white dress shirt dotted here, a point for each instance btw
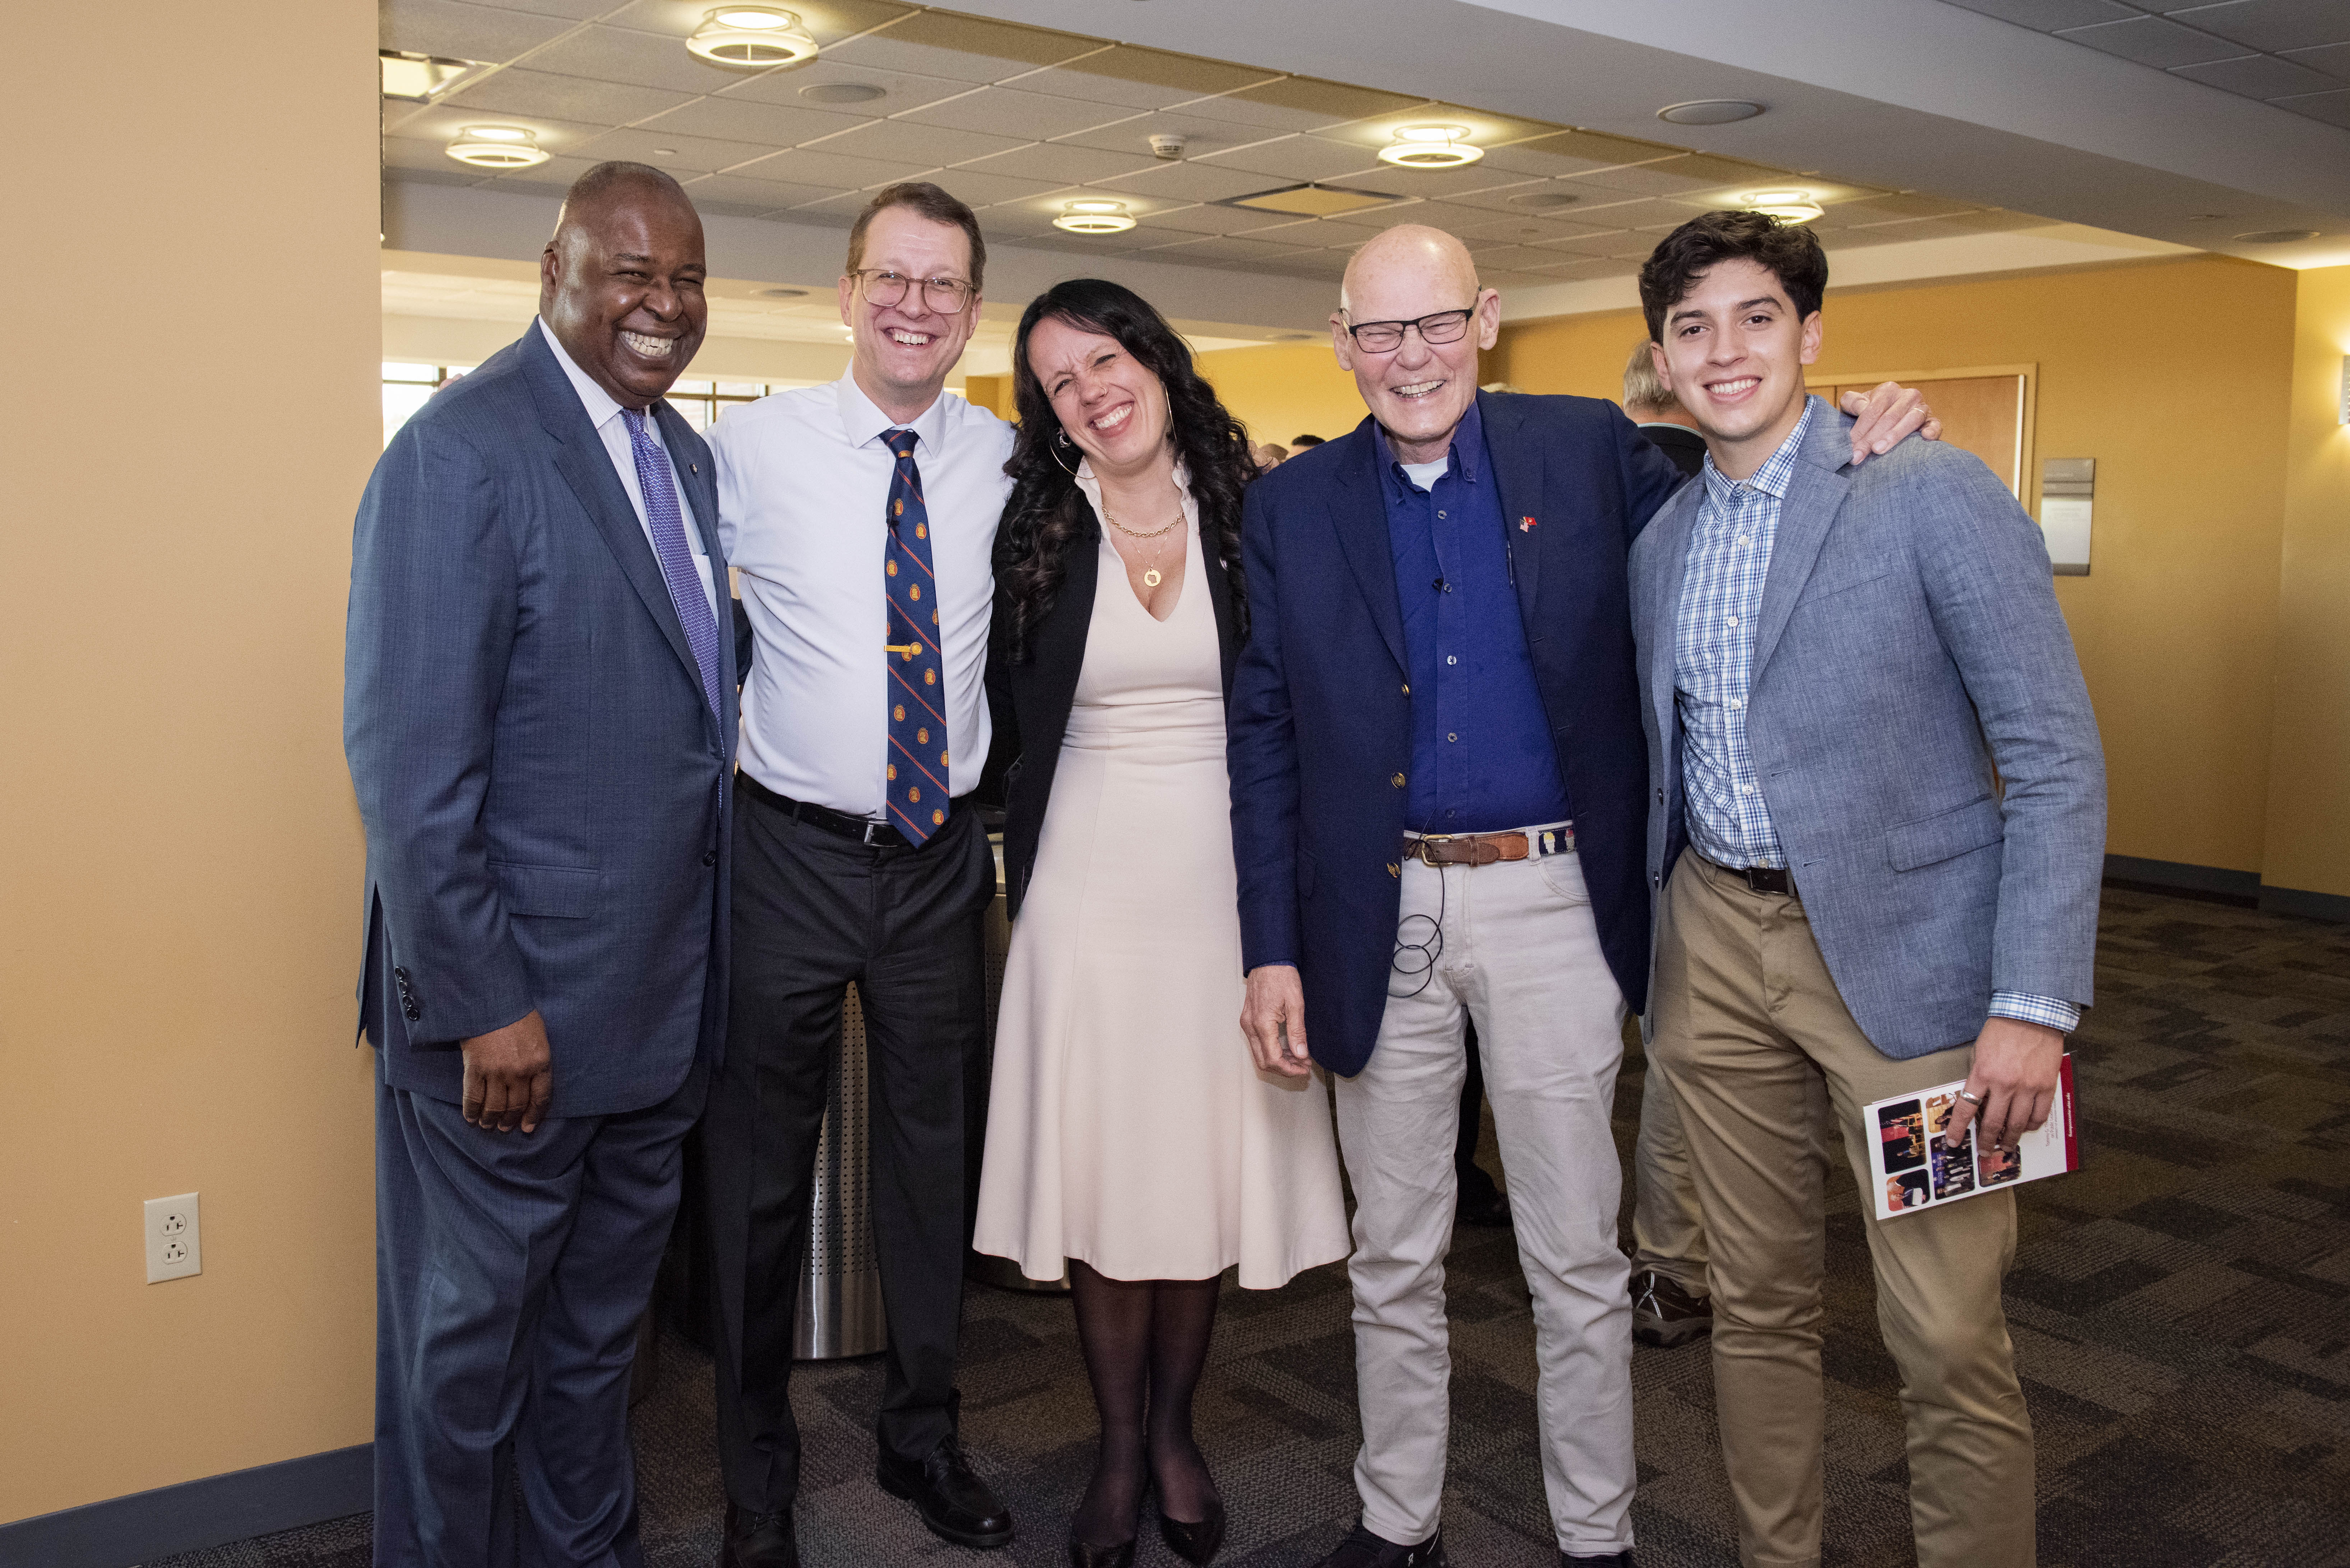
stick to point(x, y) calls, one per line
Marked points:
point(862, 517)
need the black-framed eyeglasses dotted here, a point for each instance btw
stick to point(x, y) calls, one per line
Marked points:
point(1381, 336)
point(947, 296)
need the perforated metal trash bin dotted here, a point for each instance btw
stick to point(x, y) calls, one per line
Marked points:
point(840, 1311)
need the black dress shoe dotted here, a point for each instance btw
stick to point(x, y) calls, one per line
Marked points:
point(1195, 1542)
point(1665, 1316)
point(1082, 1556)
point(1604, 1560)
point(950, 1496)
point(1487, 1206)
point(758, 1539)
point(1361, 1549)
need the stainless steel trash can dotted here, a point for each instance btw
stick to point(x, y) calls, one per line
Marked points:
point(840, 1311)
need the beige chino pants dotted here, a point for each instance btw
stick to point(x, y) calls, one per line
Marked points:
point(1745, 1018)
point(1514, 946)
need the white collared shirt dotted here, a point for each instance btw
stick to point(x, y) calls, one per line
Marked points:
point(803, 490)
point(605, 415)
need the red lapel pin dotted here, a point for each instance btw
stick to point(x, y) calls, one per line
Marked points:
point(1526, 525)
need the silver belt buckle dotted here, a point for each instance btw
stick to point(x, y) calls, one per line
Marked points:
point(870, 829)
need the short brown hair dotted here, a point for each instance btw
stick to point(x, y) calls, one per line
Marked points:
point(938, 206)
point(1643, 388)
point(1789, 251)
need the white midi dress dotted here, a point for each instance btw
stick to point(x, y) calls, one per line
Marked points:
point(1128, 1125)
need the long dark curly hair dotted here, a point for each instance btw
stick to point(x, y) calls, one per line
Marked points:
point(1047, 510)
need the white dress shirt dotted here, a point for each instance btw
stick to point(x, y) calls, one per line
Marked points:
point(605, 415)
point(803, 490)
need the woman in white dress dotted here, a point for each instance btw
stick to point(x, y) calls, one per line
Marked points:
point(1132, 1137)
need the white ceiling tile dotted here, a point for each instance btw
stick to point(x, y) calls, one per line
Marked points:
point(2331, 108)
point(1527, 230)
point(1062, 163)
point(811, 166)
point(979, 189)
point(1884, 209)
point(2046, 16)
point(903, 141)
point(1200, 218)
point(1584, 268)
point(769, 125)
point(1298, 158)
point(2334, 60)
point(1435, 214)
point(1189, 181)
point(576, 10)
point(2259, 75)
point(1637, 214)
point(552, 178)
point(1524, 196)
point(2272, 23)
point(1008, 111)
point(459, 31)
point(1508, 258)
point(1201, 135)
point(518, 90)
point(827, 21)
point(767, 195)
point(1301, 103)
point(967, 49)
point(2151, 41)
point(1228, 249)
point(666, 149)
point(1679, 176)
point(1575, 152)
point(1142, 79)
point(620, 54)
point(901, 91)
point(442, 123)
point(1431, 183)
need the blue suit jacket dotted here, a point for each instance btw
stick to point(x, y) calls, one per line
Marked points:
point(1910, 661)
point(546, 791)
point(1321, 712)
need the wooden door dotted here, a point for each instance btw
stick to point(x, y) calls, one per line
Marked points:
point(1983, 414)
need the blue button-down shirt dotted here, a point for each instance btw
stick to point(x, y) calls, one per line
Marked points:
point(1728, 817)
point(1482, 758)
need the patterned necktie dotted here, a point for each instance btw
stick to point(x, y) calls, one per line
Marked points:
point(657, 482)
point(918, 726)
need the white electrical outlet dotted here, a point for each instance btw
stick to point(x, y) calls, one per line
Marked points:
point(175, 1244)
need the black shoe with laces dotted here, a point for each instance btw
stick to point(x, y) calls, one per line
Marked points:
point(1665, 1316)
point(1604, 1560)
point(950, 1496)
point(758, 1539)
point(1361, 1549)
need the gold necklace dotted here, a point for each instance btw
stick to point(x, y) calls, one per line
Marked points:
point(1151, 577)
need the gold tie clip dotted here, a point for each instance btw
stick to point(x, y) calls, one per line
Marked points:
point(908, 648)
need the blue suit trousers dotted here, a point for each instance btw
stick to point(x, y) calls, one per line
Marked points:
point(511, 1273)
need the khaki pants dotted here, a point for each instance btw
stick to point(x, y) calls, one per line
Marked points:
point(1746, 1018)
point(1519, 953)
point(1667, 1232)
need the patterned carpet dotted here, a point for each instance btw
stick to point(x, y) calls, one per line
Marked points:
point(2180, 1307)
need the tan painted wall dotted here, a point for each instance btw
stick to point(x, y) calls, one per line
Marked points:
point(1284, 390)
point(180, 859)
point(2309, 771)
point(2173, 375)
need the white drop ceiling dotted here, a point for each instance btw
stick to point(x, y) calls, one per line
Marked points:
point(1017, 120)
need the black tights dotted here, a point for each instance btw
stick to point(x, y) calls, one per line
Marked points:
point(1146, 1341)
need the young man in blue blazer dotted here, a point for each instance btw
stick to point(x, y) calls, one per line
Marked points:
point(539, 710)
point(1438, 796)
point(1876, 831)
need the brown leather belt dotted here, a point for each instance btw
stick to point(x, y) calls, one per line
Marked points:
point(1483, 848)
point(1762, 879)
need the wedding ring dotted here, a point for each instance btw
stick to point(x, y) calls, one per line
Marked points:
point(1971, 1099)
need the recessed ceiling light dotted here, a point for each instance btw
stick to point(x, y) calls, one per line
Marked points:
point(1430, 147)
point(751, 38)
point(1710, 111)
point(497, 147)
point(1094, 217)
point(781, 293)
point(1544, 201)
point(2276, 236)
point(418, 78)
point(842, 92)
point(1787, 207)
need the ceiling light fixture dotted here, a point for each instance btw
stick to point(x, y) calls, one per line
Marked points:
point(1710, 111)
point(498, 147)
point(781, 293)
point(1787, 207)
point(1544, 200)
point(1095, 218)
point(751, 38)
point(2276, 236)
point(842, 92)
point(1430, 147)
point(419, 79)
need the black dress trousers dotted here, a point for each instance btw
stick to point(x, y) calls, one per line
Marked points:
point(813, 911)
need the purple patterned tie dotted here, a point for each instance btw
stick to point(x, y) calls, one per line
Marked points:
point(918, 797)
point(657, 481)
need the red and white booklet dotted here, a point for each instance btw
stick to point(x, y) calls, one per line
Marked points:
point(1911, 1169)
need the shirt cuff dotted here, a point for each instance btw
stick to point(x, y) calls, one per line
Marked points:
point(2045, 1011)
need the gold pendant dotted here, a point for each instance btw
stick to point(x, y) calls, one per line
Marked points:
point(1151, 578)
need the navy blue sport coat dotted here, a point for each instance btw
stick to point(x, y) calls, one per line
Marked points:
point(1321, 712)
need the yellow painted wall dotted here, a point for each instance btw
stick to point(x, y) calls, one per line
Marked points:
point(2309, 771)
point(2173, 375)
point(180, 860)
point(1284, 390)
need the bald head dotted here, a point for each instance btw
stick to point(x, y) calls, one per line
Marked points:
point(619, 283)
point(1418, 390)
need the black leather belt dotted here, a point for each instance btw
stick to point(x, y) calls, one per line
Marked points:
point(879, 834)
point(1763, 878)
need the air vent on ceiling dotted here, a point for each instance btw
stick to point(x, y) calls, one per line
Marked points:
point(1312, 201)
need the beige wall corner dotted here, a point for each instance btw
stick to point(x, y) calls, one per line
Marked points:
point(180, 853)
point(2309, 771)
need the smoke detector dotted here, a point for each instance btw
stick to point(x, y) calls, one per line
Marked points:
point(1167, 146)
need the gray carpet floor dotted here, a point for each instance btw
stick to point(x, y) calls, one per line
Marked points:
point(2180, 1309)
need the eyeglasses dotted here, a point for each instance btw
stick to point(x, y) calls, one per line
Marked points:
point(1381, 336)
point(947, 296)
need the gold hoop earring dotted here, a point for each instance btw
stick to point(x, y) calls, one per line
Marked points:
point(1060, 439)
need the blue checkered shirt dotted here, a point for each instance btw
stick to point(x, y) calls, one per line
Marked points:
point(1728, 817)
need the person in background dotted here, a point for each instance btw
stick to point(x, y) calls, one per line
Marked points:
point(1270, 455)
point(1877, 828)
point(1651, 405)
point(539, 711)
point(862, 517)
point(1131, 1140)
point(1421, 837)
point(1300, 444)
